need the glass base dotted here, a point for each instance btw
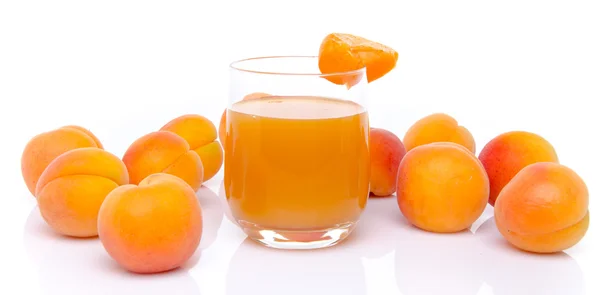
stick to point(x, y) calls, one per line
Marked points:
point(297, 239)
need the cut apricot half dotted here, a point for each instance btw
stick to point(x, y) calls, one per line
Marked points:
point(342, 53)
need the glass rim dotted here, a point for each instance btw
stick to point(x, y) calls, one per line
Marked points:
point(234, 65)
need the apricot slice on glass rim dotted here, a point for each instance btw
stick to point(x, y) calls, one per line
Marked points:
point(340, 52)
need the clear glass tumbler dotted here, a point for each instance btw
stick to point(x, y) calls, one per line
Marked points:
point(296, 151)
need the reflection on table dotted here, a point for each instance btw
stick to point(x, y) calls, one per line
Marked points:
point(423, 263)
point(81, 266)
point(255, 269)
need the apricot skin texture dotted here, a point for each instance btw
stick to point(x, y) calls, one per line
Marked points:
point(163, 151)
point(442, 187)
point(543, 209)
point(438, 127)
point(201, 135)
point(72, 188)
point(45, 147)
point(152, 227)
point(386, 151)
point(506, 154)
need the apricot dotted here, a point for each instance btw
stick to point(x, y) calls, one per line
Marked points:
point(442, 187)
point(152, 227)
point(543, 208)
point(72, 188)
point(87, 132)
point(45, 147)
point(506, 154)
point(438, 127)
point(201, 135)
point(386, 151)
point(163, 151)
point(341, 52)
point(222, 123)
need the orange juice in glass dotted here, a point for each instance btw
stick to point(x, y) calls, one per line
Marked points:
point(296, 151)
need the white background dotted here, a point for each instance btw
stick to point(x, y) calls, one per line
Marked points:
point(124, 68)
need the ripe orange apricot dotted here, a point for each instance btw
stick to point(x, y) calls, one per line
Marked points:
point(72, 188)
point(223, 127)
point(87, 132)
point(386, 151)
point(506, 154)
point(163, 151)
point(340, 52)
point(201, 135)
point(442, 187)
point(153, 227)
point(45, 147)
point(438, 127)
point(543, 209)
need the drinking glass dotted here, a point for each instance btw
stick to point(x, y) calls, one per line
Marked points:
point(296, 151)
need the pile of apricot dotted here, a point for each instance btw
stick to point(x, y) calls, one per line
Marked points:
point(143, 207)
point(441, 186)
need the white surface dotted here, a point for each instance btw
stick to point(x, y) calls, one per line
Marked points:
point(124, 68)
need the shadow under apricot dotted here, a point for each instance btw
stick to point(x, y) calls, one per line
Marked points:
point(509, 270)
point(435, 263)
point(460, 263)
point(212, 216)
point(82, 266)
